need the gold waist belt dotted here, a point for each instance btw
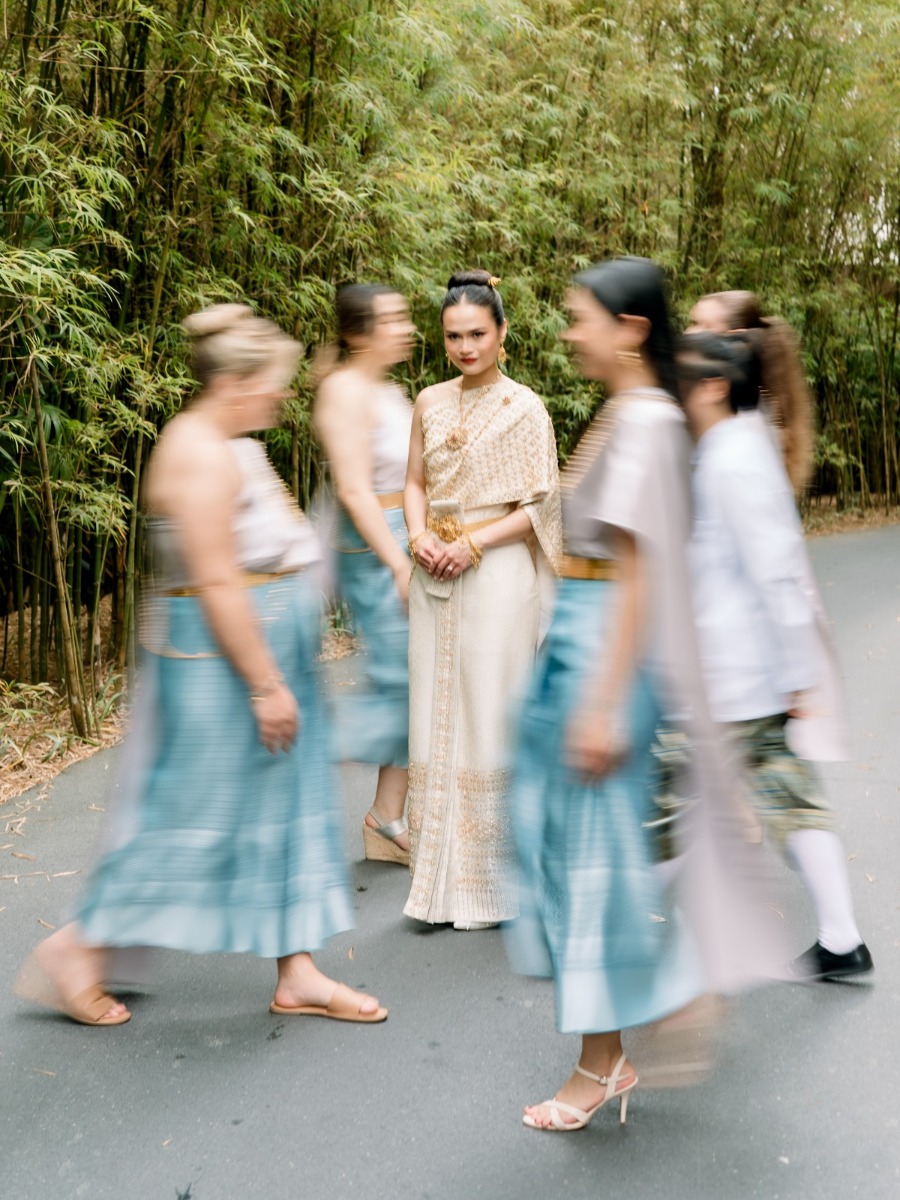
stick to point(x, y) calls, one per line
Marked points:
point(572, 567)
point(247, 579)
point(390, 499)
point(449, 528)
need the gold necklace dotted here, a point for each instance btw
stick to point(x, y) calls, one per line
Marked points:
point(594, 439)
point(457, 438)
point(591, 444)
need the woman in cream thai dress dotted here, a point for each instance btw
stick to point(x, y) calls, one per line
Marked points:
point(363, 422)
point(482, 508)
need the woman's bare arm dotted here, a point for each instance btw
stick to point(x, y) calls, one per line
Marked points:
point(194, 480)
point(343, 423)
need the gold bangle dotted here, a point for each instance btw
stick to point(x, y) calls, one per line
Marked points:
point(266, 689)
point(474, 553)
point(413, 542)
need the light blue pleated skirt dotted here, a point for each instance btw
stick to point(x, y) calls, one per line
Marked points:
point(372, 722)
point(231, 848)
point(592, 912)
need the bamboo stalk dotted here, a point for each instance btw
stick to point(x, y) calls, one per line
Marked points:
point(77, 706)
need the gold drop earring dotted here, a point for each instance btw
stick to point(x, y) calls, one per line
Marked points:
point(502, 355)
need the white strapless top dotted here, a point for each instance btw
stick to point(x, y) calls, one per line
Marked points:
point(271, 533)
point(390, 438)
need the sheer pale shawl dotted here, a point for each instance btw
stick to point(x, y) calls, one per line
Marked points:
point(640, 483)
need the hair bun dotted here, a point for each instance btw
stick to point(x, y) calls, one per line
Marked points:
point(470, 278)
point(216, 319)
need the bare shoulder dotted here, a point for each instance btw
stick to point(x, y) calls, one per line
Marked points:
point(344, 389)
point(189, 456)
point(436, 392)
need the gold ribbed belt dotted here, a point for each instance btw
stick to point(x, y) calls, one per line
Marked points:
point(449, 528)
point(390, 499)
point(247, 579)
point(572, 567)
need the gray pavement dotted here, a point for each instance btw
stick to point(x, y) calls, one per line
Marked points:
point(206, 1096)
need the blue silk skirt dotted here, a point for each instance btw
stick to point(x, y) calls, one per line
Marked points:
point(592, 912)
point(230, 848)
point(372, 724)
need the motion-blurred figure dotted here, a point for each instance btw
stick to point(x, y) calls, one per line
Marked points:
point(762, 632)
point(235, 842)
point(593, 913)
point(482, 506)
point(363, 422)
point(784, 398)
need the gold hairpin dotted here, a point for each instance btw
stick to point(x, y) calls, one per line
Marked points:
point(494, 281)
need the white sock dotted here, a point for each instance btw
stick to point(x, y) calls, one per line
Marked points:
point(820, 859)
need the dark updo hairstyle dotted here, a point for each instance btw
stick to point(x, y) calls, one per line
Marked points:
point(782, 379)
point(635, 287)
point(731, 356)
point(475, 287)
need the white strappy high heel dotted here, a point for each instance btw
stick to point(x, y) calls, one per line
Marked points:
point(583, 1116)
point(379, 844)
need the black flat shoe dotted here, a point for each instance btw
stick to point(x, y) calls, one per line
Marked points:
point(819, 963)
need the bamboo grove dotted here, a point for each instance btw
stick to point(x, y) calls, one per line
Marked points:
point(158, 157)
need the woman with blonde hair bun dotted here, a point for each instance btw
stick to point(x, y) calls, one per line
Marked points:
point(233, 840)
point(784, 396)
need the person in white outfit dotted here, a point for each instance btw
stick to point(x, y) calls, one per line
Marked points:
point(760, 625)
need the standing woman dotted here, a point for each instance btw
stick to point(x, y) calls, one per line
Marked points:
point(363, 422)
point(234, 844)
point(784, 396)
point(482, 508)
point(618, 646)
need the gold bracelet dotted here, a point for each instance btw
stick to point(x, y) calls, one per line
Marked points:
point(474, 553)
point(413, 542)
point(266, 689)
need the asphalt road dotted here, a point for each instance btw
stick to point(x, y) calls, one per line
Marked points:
point(205, 1096)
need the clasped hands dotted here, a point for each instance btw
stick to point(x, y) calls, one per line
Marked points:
point(443, 560)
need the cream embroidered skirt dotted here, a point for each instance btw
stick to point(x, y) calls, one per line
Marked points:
point(471, 654)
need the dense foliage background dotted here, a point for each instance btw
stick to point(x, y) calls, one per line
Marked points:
point(157, 157)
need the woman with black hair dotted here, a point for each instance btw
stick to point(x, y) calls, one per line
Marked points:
point(767, 657)
point(782, 393)
point(362, 420)
point(482, 508)
point(620, 652)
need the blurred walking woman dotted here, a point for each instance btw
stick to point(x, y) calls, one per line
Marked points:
point(482, 507)
point(234, 844)
point(785, 400)
point(363, 422)
point(619, 643)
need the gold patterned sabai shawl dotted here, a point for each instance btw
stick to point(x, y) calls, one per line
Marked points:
point(508, 456)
